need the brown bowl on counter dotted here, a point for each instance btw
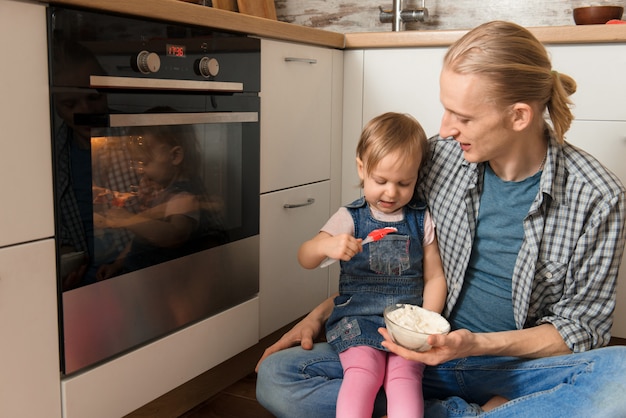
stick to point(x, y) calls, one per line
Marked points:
point(597, 15)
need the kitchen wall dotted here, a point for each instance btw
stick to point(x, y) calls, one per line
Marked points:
point(363, 15)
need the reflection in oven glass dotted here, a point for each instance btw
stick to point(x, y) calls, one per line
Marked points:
point(156, 193)
point(176, 208)
point(72, 65)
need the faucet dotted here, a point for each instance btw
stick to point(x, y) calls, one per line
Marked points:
point(398, 15)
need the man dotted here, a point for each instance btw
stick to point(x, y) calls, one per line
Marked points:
point(531, 233)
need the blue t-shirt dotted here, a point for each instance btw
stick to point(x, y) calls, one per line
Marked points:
point(485, 303)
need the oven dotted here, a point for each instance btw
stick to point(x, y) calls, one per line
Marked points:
point(156, 178)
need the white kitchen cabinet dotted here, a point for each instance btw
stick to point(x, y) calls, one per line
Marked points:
point(301, 112)
point(599, 72)
point(295, 114)
point(402, 80)
point(288, 291)
point(600, 124)
point(26, 181)
point(29, 351)
point(29, 382)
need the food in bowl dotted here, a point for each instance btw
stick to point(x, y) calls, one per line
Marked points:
point(410, 325)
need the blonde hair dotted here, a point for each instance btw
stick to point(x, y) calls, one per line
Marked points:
point(388, 133)
point(519, 69)
point(183, 136)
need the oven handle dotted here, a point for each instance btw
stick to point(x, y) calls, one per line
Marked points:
point(108, 82)
point(157, 119)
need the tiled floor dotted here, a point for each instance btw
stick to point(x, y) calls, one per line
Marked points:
point(239, 401)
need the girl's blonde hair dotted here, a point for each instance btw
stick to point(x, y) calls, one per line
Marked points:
point(183, 136)
point(519, 69)
point(388, 133)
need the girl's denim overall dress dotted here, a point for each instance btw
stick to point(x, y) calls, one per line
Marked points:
point(388, 271)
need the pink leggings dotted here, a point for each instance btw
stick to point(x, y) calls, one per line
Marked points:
point(365, 370)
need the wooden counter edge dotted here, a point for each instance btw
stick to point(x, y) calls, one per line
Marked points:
point(188, 13)
point(548, 35)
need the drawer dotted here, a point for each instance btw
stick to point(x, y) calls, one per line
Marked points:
point(288, 291)
point(296, 112)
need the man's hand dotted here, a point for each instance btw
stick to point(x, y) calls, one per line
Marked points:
point(535, 342)
point(304, 332)
point(445, 347)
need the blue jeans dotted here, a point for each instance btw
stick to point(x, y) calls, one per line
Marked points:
point(300, 383)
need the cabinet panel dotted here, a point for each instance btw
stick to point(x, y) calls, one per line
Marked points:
point(25, 157)
point(607, 142)
point(398, 80)
point(599, 73)
point(404, 80)
point(29, 382)
point(288, 291)
point(295, 114)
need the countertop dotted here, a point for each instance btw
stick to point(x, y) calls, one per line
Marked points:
point(546, 34)
point(189, 13)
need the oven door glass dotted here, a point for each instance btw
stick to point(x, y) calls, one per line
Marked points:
point(157, 201)
point(154, 184)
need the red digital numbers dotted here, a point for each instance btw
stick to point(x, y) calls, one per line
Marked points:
point(175, 50)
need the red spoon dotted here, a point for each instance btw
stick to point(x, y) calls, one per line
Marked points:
point(375, 235)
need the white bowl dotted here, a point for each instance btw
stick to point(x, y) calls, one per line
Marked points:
point(410, 325)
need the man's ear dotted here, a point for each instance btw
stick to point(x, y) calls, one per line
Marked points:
point(177, 154)
point(521, 116)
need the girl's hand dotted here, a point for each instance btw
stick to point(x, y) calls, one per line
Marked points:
point(107, 271)
point(342, 247)
point(74, 277)
point(117, 217)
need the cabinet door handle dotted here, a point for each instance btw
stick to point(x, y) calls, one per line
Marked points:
point(305, 60)
point(308, 202)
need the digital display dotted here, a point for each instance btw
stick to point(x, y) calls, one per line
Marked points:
point(175, 50)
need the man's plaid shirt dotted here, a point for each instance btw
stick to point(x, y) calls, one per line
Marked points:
point(566, 270)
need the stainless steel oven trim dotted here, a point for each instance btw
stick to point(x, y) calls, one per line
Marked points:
point(113, 316)
point(156, 119)
point(99, 81)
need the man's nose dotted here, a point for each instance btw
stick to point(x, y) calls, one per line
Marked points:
point(447, 128)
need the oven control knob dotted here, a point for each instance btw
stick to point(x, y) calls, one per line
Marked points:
point(208, 67)
point(148, 62)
